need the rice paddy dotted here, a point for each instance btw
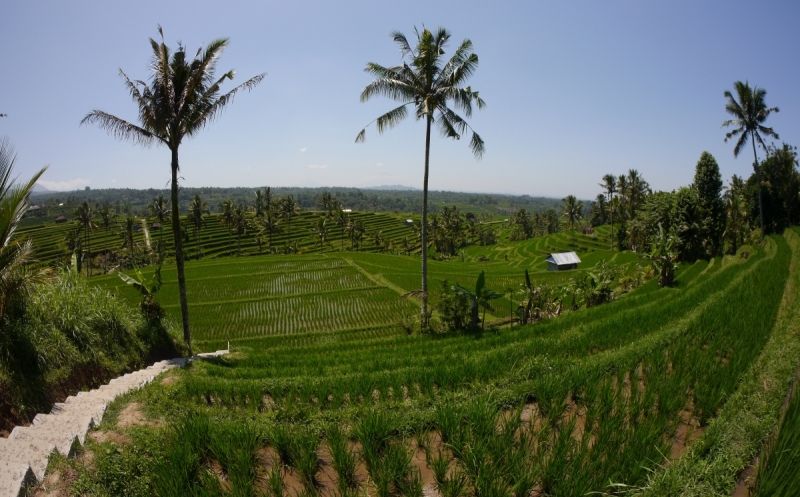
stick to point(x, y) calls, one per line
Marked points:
point(325, 393)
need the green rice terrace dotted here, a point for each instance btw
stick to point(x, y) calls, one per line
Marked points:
point(325, 391)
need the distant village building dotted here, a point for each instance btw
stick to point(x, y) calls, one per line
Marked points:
point(155, 226)
point(563, 261)
point(61, 219)
point(408, 222)
point(588, 230)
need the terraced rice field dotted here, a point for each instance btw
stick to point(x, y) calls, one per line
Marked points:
point(585, 402)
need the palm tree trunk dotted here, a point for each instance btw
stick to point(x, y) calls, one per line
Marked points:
point(758, 180)
point(611, 213)
point(239, 246)
point(424, 310)
point(176, 230)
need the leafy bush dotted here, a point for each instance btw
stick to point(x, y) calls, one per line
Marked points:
point(453, 308)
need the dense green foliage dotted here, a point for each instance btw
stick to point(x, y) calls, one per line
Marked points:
point(596, 394)
point(135, 202)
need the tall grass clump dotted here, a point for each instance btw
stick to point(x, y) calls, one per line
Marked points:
point(779, 467)
point(65, 335)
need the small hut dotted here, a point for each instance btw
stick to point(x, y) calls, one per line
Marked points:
point(61, 219)
point(155, 226)
point(563, 261)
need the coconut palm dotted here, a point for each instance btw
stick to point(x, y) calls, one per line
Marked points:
point(259, 203)
point(288, 209)
point(749, 113)
point(226, 220)
point(736, 222)
point(196, 214)
point(428, 83)
point(15, 280)
point(320, 231)
point(239, 224)
point(84, 215)
point(573, 211)
point(106, 216)
point(128, 241)
point(637, 191)
point(610, 185)
point(271, 225)
point(159, 210)
point(342, 219)
point(182, 98)
point(623, 192)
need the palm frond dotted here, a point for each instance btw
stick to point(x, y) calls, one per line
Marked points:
point(477, 146)
point(391, 118)
point(146, 113)
point(213, 111)
point(395, 88)
point(446, 128)
point(121, 129)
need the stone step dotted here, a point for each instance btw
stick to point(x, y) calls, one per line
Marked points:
point(24, 454)
point(78, 423)
point(33, 453)
point(14, 477)
point(63, 440)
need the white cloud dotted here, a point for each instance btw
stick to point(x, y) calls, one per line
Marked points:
point(72, 184)
point(379, 164)
point(318, 166)
point(114, 180)
point(304, 149)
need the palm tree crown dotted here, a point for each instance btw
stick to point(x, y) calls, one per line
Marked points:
point(749, 113)
point(426, 83)
point(182, 98)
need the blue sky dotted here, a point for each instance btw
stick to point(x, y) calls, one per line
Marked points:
point(574, 90)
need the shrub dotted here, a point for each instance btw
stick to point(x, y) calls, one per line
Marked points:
point(453, 308)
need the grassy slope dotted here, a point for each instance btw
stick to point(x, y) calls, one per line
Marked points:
point(750, 415)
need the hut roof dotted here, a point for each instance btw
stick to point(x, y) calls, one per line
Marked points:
point(564, 258)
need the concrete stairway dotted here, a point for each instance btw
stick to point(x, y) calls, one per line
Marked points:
point(24, 454)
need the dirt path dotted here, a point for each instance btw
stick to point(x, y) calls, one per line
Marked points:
point(146, 234)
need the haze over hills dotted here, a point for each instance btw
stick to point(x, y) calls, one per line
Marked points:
point(397, 188)
point(37, 188)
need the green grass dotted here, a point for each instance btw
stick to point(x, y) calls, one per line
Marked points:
point(318, 356)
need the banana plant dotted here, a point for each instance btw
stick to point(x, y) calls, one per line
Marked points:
point(663, 256)
point(478, 299)
point(146, 286)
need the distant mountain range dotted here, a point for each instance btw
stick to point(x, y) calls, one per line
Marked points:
point(37, 188)
point(401, 188)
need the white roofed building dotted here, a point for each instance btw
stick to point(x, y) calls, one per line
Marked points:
point(563, 261)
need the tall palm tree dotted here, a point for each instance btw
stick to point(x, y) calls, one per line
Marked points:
point(736, 223)
point(749, 113)
point(623, 192)
point(106, 216)
point(197, 211)
point(427, 83)
point(342, 219)
point(288, 209)
point(610, 185)
point(84, 215)
point(226, 220)
point(14, 255)
point(128, 240)
point(259, 203)
point(573, 211)
point(239, 224)
point(159, 210)
point(637, 191)
point(271, 225)
point(182, 98)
